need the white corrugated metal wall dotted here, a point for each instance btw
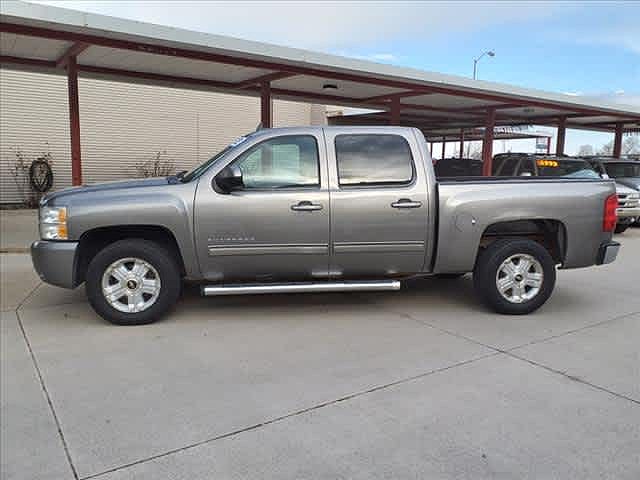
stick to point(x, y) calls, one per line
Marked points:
point(122, 125)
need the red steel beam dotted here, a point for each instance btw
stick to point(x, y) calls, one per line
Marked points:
point(617, 140)
point(391, 96)
point(35, 62)
point(74, 121)
point(215, 84)
point(73, 51)
point(265, 105)
point(429, 108)
point(394, 112)
point(487, 142)
point(156, 77)
point(482, 108)
point(270, 65)
point(269, 77)
point(562, 132)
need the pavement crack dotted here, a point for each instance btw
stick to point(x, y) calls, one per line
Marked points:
point(65, 446)
point(296, 413)
point(573, 378)
point(33, 290)
point(509, 352)
point(575, 330)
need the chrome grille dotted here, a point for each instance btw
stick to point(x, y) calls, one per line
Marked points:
point(625, 202)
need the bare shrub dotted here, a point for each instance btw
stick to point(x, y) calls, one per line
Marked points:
point(157, 167)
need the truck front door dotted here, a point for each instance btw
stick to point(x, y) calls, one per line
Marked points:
point(276, 226)
point(379, 203)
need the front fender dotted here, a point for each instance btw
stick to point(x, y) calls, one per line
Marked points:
point(155, 206)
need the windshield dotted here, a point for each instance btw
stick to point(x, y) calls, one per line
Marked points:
point(200, 169)
point(568, 168)
point(622, 169)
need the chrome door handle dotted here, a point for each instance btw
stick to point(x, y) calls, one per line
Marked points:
point(406, 203)
point(306, 206)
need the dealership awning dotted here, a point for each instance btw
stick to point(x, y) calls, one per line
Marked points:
point(75, 43)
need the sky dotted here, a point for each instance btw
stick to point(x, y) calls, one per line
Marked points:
point(586, 48)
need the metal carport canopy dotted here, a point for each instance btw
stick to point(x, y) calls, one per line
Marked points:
point(70, 42)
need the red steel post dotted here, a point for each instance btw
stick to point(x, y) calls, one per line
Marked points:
point(444, 146)
point(394, 113)
point(461, 142)
point(487, 142)
point(562, 131)
point(74, 121)
point(617, 141)
point(265, 105)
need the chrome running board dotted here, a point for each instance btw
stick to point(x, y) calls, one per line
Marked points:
point(261, 288)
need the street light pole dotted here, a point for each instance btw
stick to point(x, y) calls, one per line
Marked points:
point(491, 53)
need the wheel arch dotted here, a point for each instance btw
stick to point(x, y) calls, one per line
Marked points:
point(94, 240)
point(550, 233)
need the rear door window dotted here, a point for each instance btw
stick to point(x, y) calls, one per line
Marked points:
point(373, 159)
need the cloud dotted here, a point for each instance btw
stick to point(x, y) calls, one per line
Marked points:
point(623, 36)
point(619, 97)
point(374, 57)
point(323, 25)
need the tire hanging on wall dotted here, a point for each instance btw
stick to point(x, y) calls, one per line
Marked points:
point(40, 176)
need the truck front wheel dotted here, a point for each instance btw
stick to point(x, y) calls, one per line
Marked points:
point(515, 276)
point(132, 282)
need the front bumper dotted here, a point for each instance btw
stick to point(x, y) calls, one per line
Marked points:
point(633, 212)
point(608, 253)
point(55, 262)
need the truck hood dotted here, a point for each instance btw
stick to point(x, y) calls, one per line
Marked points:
point(101, 187)
point(631, 182)
point(622, 189)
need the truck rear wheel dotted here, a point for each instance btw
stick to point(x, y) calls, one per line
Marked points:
point(515, 276)
point(132, 282)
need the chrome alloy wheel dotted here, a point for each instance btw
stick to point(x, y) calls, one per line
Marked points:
point(519, 278)
point(131, 285)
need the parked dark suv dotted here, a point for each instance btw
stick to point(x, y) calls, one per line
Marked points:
point(625, 170)
point(458, 167)
point(540, 165)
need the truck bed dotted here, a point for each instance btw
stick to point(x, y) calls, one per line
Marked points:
point(468, 206)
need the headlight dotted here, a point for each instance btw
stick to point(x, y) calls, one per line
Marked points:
point(53, 223)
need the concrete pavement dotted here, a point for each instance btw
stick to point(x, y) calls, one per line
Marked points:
point(19, 229)
point(423, 383)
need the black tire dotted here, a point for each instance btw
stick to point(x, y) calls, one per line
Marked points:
point(155, 255)
point(621, 228)
point(490, 261)
point(449, 276)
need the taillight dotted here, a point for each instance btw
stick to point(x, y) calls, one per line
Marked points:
point(610, 213)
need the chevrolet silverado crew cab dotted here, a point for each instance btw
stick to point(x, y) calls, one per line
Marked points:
point(319, 210)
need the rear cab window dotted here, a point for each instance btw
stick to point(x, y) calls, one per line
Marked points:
point(373, 160)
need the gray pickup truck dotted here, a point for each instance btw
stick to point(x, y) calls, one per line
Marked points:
point(319, 210)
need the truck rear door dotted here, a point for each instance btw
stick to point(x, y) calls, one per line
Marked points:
point(379, 202)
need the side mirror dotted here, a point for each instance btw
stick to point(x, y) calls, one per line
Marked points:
point(230, 178)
